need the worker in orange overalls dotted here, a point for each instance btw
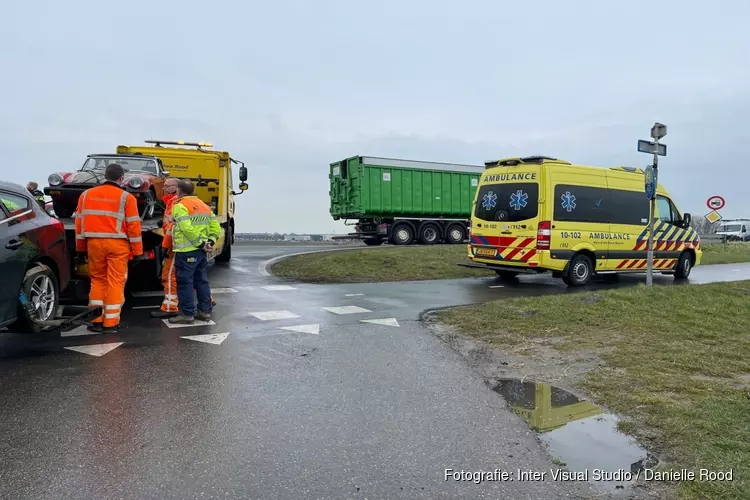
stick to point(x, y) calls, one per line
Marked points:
point(168, 278)
point(108, 228)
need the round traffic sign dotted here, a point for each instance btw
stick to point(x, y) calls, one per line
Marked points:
point(650, 182)
point(716, 203)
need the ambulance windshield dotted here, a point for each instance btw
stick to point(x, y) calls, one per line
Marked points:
point(507, 202)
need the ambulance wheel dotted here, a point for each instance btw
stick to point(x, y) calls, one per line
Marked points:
point(403, 234)
point(684, 266)
point(507, 275)
point(580, 271)
point(41, 289)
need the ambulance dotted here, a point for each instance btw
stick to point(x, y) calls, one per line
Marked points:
point(539, 214)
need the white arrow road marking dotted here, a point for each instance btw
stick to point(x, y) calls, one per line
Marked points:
point(346, 309)
point(223, 290)
point(197, 323)
point(313, 329)
point(208, 338)
point(78, 331)
point(278, 288)
point(95, 349)
point(384, 321)
point(353, 294)
point(274, 315)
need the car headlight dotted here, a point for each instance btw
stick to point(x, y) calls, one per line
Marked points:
point(54, 180)
point(135, 182)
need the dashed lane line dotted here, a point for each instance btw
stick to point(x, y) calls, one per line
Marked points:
point(197, 323)
point(274, 315)
point(384, 322)
point(346, 310)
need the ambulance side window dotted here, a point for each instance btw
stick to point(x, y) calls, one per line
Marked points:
point(666, 210)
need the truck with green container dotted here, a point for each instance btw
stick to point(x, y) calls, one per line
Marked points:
point(403, 201)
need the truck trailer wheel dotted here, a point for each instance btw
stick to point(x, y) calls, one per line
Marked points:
point(455, 234)
point(429, 234)
point(402, 234)
point(373, 242)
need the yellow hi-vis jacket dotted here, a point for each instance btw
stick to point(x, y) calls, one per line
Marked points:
point(193, 224)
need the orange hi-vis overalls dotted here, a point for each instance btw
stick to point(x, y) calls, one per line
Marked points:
point(109, 229)
point(168, 276)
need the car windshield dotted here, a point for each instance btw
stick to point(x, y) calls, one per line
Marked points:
point(729, 228)
point(129, 164)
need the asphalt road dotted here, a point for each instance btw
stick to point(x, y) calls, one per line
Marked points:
point(294, 391)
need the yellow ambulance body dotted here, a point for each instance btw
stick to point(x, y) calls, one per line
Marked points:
point(537, 214)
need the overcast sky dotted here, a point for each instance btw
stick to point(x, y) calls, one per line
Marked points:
point(291, 86)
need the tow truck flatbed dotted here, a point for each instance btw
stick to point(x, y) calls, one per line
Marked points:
point(146, 225)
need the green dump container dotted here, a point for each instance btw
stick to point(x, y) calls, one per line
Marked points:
point(367, 187)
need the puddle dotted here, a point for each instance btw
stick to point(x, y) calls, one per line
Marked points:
point(582, 437)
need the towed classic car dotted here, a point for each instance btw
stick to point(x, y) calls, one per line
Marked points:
point(144, 179)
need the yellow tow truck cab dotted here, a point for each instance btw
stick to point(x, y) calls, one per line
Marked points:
point(211, 173)
point(539, 214)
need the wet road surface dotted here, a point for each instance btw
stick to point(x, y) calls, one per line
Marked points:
point(293, 391)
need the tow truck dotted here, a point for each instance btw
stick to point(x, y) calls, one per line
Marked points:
point(210, 171)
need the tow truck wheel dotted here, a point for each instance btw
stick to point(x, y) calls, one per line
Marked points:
point(42, 291)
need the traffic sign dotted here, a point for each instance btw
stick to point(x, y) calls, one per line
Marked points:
point(650, 182)
point(716, 203)
point(652, 147)
point(713, 216)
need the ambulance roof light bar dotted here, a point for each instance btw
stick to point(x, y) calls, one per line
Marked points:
point(158, 144)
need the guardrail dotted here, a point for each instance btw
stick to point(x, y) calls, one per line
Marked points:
point(713, 238)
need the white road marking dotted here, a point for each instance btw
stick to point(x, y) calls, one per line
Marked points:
point(353, 294)
point(96, 349)
point(208, 338)
point(147, 307)
point(736, 270)
point(197, 323)
point(313, 329)
point(384, 321)
point(278, 288)
point(274, 315)
point(346, 310)
point(497, 286)
point(148, 294)
point(223, 290)
point(77, 332)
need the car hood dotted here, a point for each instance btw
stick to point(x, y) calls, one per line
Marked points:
point(97, 177)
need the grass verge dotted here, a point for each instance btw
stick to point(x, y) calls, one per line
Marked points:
point(379, 264)
point(425, 263)
point(677, 364)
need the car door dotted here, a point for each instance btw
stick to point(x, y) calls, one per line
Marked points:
point(16, 247)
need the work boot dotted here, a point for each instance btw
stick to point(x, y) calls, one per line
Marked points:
point(121, 327)
point(181, 319)
point(163, 314)
point(95, 327)
point(203, 316)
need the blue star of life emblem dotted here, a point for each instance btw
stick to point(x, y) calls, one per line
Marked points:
point(568, 201)
point(518, 200)
point(489, 200)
